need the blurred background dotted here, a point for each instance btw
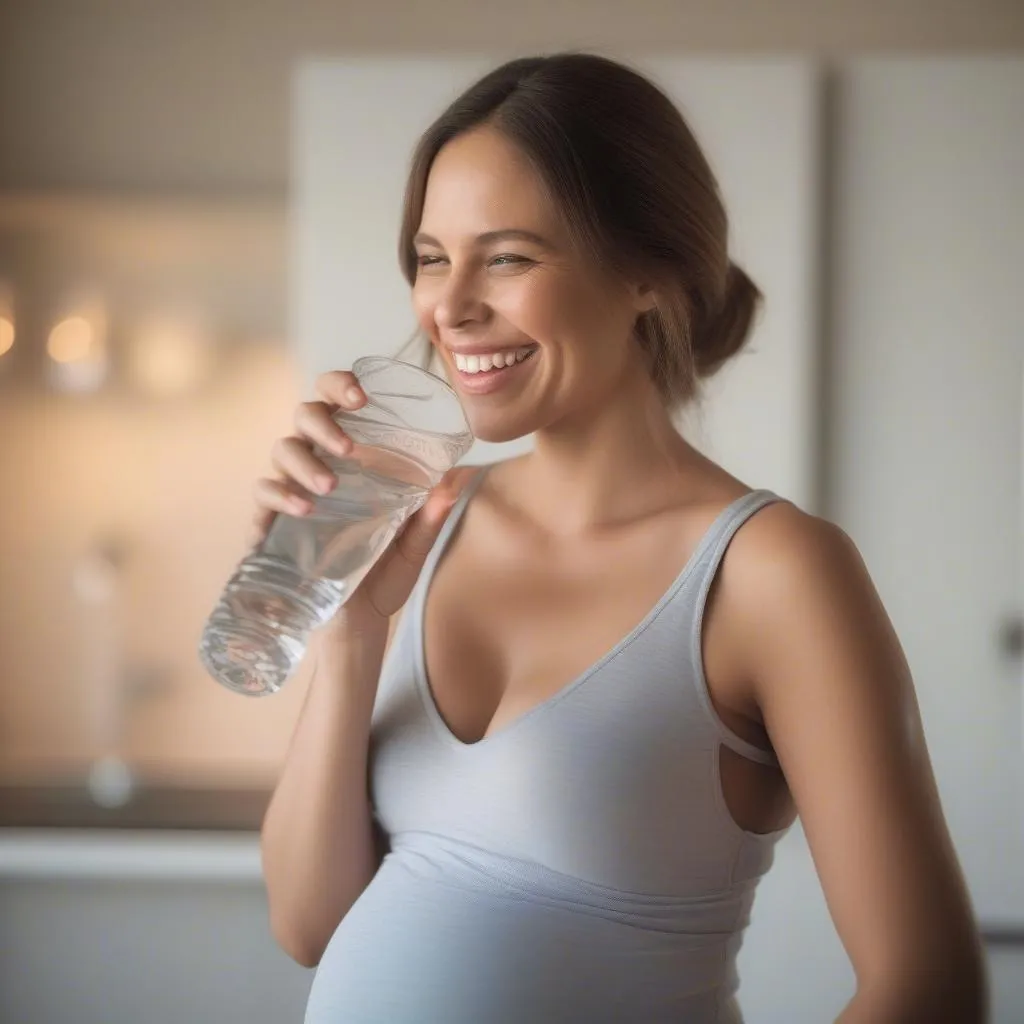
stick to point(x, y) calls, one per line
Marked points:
point(198, 212)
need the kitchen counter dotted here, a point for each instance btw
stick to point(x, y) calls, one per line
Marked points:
point(159, 832)
point(122, 855)
point(147, 807)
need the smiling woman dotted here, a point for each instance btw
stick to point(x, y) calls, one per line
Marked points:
point(603, 701)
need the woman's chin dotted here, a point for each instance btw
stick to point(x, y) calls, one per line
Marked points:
point(497, 429)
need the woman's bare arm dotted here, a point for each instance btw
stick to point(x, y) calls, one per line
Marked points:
point(833, 686)
point(318, 846)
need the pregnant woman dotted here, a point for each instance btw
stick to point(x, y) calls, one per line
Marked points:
point(550, 743)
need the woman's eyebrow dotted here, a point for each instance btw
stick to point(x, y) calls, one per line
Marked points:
point(501, 235)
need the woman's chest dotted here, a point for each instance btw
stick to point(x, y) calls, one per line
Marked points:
point(608, 779)
point(506, 629)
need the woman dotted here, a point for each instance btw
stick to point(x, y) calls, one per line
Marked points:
point(621, 672)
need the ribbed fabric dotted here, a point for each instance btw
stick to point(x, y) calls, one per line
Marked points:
point(579, 865)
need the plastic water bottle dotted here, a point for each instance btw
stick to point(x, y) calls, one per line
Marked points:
point(408, 434)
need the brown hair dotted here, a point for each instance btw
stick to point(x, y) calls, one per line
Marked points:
point(634, 189)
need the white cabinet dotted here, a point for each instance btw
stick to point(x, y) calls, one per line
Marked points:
point(924, 470)
point(926, 413)
point(130, 927)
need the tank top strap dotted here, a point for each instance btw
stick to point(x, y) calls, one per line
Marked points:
point(713, 548)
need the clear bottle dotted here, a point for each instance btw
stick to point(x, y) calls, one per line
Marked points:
point(409, 433)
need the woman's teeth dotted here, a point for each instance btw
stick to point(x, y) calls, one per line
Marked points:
point(491, 361)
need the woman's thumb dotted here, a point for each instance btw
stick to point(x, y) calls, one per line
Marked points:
point(394, 577)
point(421, 531)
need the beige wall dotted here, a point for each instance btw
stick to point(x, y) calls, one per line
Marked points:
point(175, 480)
point(172, 475)
point(194, 93)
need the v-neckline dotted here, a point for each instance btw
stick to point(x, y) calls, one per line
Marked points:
point(420, 616)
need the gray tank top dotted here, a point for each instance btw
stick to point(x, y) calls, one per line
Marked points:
point(578, 865)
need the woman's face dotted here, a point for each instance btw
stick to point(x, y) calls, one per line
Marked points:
point(532, 336)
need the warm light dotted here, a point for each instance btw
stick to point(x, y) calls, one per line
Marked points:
point(169, 356)
point(6, 334)
point(71, 341)
point(77, 345)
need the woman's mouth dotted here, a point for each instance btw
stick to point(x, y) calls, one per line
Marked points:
point(484, 372)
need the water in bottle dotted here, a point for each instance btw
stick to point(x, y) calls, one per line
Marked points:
point(302, 573)
point(309, 565)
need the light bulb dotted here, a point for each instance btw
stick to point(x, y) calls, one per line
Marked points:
point(77, 345)
point(71, 341)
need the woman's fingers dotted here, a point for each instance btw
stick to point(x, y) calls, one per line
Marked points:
point(341, 389)
point(315, 422)
point(302, 472)
point(294, 459)
point(336, 390)
point(287, 496)
point(274, 496)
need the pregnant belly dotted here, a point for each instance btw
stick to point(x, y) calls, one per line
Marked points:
point(436, 942)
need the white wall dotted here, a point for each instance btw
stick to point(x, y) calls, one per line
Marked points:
point(759, 415)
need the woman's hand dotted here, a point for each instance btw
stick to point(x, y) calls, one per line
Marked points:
point(300, 475)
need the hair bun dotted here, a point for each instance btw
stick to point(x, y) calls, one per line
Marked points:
point(727, 330)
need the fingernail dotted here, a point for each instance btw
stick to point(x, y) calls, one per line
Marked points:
point(353, 394)
point(324, 484)
point(299, 506)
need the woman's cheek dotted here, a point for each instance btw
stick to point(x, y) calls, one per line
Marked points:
point(533, 308)
point(423, 310)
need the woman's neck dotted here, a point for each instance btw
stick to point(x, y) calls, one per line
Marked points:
point(621, 461)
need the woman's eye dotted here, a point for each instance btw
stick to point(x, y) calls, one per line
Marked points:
point(507, 259)
point(426, 260)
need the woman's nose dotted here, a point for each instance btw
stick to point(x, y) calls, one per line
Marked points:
point(460, 303)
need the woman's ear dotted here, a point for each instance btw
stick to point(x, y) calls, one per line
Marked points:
point(643, 296)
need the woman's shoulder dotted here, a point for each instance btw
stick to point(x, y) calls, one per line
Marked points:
point(787, 571)
point(782, 548)
point(794, 598)
point(783, 541)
